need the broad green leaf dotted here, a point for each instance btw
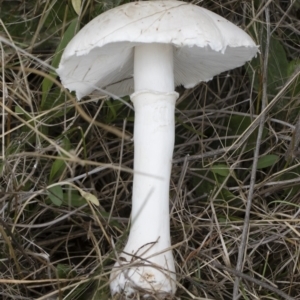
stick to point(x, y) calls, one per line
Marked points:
point(69, 34)
point(55, 194)
point(227, 195)
point(59, 11)
point(211, 180)
point(220, 169)
point(21, 111)
point(54, 98)
point(267, 161)
point(295, 86)
point(113, 111)
point(73, 198)
point(238, 125)
point(63, 271)
point(57, 168)
point(277, 64)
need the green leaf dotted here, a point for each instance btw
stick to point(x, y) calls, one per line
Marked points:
point(297, 4)
point(238, 125)
point(290, 191)
point(55, 194)
point(63, 270)
point(220, 169)
point(72, 198)
point(19, 110)
point(59, 164)
point(54, 98)
point(114, 107)
point(112, 113)
point(209, 181)
point(294, 89)
point(277, 64)
point(267, 161)
point(57, 168)
point(69, 34)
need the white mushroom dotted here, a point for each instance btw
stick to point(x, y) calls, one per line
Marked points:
point(145, 49)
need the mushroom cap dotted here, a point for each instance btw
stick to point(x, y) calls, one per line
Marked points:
point(100, 56)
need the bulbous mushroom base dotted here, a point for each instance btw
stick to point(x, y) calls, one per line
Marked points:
point(137, 277)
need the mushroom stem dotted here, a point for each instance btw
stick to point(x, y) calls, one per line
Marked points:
point(147, 262)
point(153, 68)
point(153, 150)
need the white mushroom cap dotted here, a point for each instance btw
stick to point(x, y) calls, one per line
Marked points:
point(101, 54)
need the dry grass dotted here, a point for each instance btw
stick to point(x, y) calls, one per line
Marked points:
point(229, 152)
